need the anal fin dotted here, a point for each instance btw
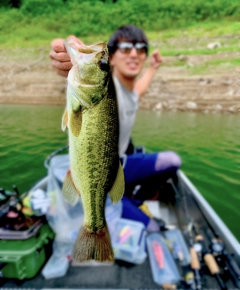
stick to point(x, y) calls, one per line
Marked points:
point(118, 187)
point(70, 193)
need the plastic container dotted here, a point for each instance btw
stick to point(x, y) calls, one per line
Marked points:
point(164, 269)
point(128, 241)
point(24, 258)
point(58, 263)
point(56, 266)
point(180, 250)
point(113, 212)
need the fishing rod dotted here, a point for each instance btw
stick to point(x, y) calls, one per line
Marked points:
point(219, 251)
point(210, 262)
point(193, 279)
point(206, 255)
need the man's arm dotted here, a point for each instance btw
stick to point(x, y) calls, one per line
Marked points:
point(60, 59)
point(143, 83)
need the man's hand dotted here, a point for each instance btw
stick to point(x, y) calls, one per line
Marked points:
point(155, 59)
point(142, 84)
point(60, 59)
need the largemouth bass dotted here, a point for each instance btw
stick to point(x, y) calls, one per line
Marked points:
point(91, 116)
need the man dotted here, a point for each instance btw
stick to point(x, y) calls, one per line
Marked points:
point(128, 49)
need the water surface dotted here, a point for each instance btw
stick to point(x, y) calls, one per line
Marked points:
point(208, 144)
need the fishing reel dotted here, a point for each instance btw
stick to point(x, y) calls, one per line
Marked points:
point(216, 247)
point(225, 261)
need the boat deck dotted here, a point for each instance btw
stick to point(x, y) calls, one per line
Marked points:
point(123, 275)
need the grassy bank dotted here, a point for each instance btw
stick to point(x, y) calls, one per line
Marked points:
point(176, 28)
point(36, 22)
point(189, 41)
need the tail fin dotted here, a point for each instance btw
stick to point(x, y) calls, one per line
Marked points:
point(93, 246)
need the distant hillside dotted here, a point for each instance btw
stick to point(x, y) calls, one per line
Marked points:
point(30, 20)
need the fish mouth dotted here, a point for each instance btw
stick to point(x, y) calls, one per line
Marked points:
point(84, 53)
point(89, 54)
point(85, 74)
point(91, 48)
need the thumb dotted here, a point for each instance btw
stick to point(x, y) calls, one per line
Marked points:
point(74, 38)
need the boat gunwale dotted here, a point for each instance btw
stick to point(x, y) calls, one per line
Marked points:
point(211, 216)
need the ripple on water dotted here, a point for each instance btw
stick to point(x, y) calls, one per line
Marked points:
point(208, 145)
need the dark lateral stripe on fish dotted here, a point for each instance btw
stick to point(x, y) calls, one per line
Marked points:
point(93, 211)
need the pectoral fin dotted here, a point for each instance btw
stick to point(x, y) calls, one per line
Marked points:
point(118, 188)
point(76, 121)
point(65, 120)
point(70, 193)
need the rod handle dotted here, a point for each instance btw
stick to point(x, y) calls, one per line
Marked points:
point(169, 286)
point(194, 260)
point(211, 264)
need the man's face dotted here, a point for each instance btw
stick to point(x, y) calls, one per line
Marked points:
point(128, 60)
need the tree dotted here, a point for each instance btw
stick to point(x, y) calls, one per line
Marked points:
point(10, 3)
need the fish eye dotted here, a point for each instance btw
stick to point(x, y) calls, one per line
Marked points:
point(103, 65)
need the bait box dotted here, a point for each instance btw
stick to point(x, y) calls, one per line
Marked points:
point(178, 246)
point(128, 241)
point(164, 269)
point(23, 258)
point(58, 263)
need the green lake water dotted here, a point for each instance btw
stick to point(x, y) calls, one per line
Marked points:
point(209, 146)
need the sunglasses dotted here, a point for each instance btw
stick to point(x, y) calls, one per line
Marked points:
point(126, 47)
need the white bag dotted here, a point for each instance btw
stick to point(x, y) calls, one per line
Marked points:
point(65, 219)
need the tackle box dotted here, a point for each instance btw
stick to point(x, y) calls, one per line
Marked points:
point(164, 269)
point(23, 253)
point(21, 228)
point(178, 246)
point(128, 241)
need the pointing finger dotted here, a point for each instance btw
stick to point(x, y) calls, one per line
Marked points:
point(58, 45)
